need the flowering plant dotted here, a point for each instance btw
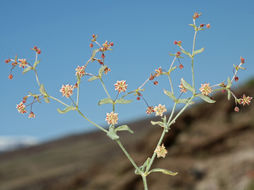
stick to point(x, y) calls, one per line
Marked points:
point(166, 122)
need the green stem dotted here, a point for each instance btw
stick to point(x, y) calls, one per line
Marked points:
point(104, 87)
point(127, 155)
point(53, 98)
point(192, 59)
point(171, 85)
point(37, 78)
point(77, 101)
point(145, 182)
point(96, 125)
point(154, 153)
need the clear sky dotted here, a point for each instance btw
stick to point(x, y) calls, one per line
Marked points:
point(143, 33)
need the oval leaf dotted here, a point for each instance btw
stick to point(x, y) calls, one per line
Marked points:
point(122, 101)
point(43, 91)
point(67, 109)
point(93, 78)
point(198, 51)
point(164, 171)
point(27, 69)
point(186, 53)
point(187, 86)
point(35, 64)
point(101, 70)
point(112, 134)
point(105, 101)
point(206, 98)
point(124, 128)
point(169, 94)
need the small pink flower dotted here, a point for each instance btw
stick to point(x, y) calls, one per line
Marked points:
point(236, 109)
point(205, 89)
point(160, 109)
point(112, 118)
point(245, 100)
point(182, 89)
point(121, 86)
point(161, 151)
point(21, 108)
point(149, 110)
point(196, 15)
point(22, 62)
point(80, 71)
point(208, 25)
point(31, 115)
point(67, 90)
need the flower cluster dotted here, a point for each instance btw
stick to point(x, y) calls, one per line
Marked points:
point(80, 71)
point(161, 151)
point(160, 109)
point(112, 118)
point(67, 90)
point(205, 89)
point(21, 108)
point(121, 86)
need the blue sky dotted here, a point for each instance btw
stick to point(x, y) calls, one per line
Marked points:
point(143, 33)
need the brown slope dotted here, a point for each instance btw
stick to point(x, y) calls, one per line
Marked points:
point(210, 146)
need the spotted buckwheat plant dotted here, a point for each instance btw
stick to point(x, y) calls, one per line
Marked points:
point(167, 120)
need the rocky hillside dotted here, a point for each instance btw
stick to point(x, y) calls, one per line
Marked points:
point(210, 146)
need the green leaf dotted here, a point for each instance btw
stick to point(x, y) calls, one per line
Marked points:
point(186, 53)
point(35, 64)
point(101, 70)
point(105, 101)
point(124, 128)
point(169, 94)
point(67, 109)
point(229, 83)
point(93, 78)
point(157, 123)
point(122, 101)
point(187, 86)
point(198, 51)
point(94, 53)
point(112, 134)
point(27, 69)
point(43, 91)
point(182, 101)
point(164, 171)
point(206, 98)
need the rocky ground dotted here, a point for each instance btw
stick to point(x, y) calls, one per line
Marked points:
point(210, 146)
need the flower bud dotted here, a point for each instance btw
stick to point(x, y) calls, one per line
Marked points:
point(10, 76)
point(155, 82)
point(236, 109)
point(181, 66)
point(91, 45)
point(208, 25)
point(242, 60)
point(236, 78)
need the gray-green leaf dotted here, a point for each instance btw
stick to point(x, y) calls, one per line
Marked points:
point(157, 123)
point(101, 70)
point(186, 53)
point(206, 98)
point(124, 128)
point(67, 109)
point(27, 69)
point(229, 94)
point(229, 83)
point(112, 134)
point(105, 101)
point(35, 64)
point(43, 91)
point(93, 78)
point(169, 94)
point(164, 171)
point(122, 101)
point(187, 86)
point(198, 51)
